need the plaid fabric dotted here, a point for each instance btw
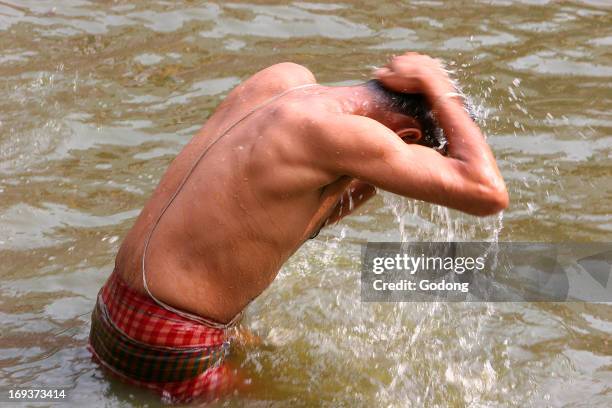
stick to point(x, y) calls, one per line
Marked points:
point(149, 346)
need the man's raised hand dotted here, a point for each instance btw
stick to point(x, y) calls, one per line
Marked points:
point(416, 73)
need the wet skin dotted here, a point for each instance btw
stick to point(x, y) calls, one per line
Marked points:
point(279, 175)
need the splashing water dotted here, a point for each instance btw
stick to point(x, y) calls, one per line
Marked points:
point(471, 377)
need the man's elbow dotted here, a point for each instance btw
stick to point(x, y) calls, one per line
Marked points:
point(484, 191)
point(492, 200)
point(498, 201)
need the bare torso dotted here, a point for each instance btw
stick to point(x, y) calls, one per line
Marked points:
point(269, 183)
point(249, 204)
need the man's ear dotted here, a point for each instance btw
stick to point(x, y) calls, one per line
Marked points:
point(410, 135)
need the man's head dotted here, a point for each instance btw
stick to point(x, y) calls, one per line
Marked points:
point(408, 115)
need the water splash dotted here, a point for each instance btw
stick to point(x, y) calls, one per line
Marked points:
point(468, 372)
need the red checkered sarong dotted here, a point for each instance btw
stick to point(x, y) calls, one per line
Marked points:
point(147, 345)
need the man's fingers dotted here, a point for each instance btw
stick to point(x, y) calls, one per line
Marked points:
point(380, 72)
point(399, 64)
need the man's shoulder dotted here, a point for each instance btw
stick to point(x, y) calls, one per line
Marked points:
point(278, 78)
point(331, 137)
point(266, 84)
point(287, 72)
point(336, 127)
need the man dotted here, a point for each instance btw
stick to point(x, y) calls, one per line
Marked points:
point(265, 173)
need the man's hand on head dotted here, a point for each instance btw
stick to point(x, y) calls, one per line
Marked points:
point(416, 73)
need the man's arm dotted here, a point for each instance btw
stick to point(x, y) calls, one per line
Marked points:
point(467, 179)
point(416, 73)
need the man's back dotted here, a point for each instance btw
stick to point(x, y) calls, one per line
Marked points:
point(250, 202)
point(270, 166)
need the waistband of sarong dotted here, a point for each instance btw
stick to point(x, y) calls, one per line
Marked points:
point(140, 318)
point(148, 362)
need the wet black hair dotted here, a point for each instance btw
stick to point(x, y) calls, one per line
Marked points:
point(414, 105)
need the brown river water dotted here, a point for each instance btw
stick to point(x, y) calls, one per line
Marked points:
point(99, 96)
